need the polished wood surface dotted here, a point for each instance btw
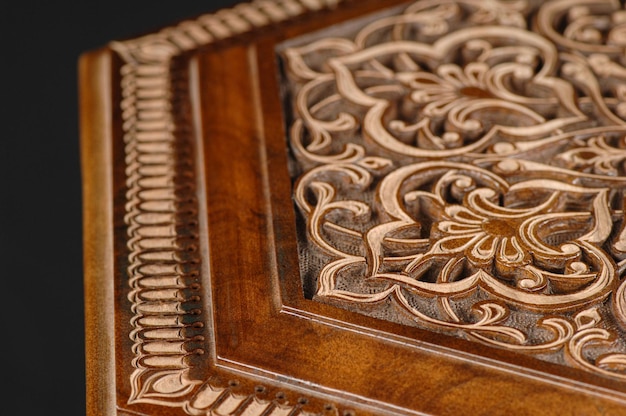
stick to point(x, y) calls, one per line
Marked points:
point(356, 208)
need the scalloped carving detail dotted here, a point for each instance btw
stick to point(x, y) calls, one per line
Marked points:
point(163, 268)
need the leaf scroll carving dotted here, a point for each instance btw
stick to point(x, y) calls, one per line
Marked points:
point(461, 165)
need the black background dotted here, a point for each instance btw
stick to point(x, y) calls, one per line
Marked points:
point(41, 243)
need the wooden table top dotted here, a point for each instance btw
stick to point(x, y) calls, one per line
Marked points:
point(359, 207)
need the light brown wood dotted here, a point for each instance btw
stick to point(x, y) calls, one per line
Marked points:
point(96, 126)
point(363, 207)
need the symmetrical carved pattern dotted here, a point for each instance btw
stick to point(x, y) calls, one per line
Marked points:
point(162, 237)
point(460, 165)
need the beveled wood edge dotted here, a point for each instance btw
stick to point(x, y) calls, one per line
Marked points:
point(95, 145)
point(320, 399)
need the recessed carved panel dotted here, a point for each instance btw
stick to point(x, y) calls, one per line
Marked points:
point(343, 229)
point(460, 166)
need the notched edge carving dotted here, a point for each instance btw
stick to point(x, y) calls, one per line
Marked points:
point(160, 209)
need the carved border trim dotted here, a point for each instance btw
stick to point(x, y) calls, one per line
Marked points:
point(163, 277)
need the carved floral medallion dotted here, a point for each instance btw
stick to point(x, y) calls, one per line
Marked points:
point(461, 166)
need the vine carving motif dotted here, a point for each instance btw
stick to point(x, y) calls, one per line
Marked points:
point(461, 165)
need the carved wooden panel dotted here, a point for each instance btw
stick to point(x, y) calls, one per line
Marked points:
point(359, 207)
point(457, 171)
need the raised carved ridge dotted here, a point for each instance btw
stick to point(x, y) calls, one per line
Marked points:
point(461, 165)
point(160, 216)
